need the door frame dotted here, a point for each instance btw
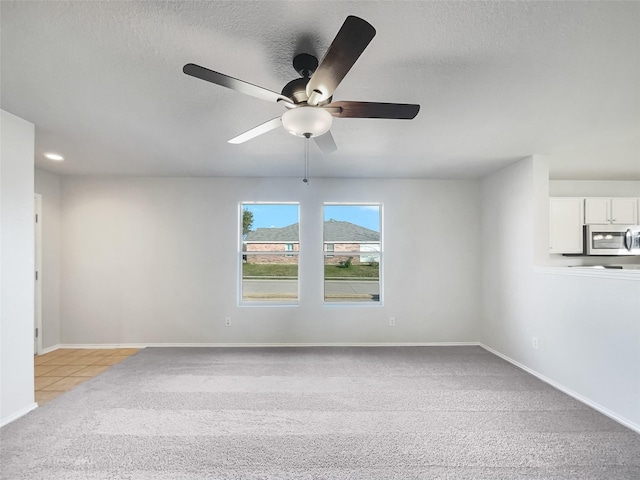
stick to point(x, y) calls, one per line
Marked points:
point(37, 311)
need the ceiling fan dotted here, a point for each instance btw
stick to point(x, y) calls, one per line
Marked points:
point(308, 99)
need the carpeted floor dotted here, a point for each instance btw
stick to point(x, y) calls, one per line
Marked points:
point(317, 413)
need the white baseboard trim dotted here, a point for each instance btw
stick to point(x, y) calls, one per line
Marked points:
point(605, 411)
point(49, 349)
point(261, 345)
point(96, 346)
point(17, 415)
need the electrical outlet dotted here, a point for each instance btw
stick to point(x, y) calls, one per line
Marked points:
point(227, 321)
point(392, 321)
point(534, 342)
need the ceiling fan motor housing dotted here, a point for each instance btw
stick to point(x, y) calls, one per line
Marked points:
point(296, 90)
point(305, 64)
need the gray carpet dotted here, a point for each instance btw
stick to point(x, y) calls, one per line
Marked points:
point(317, 413)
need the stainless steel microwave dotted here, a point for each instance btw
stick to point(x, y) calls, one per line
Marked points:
point(612, 239)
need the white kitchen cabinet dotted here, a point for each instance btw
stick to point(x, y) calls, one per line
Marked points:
point(617, 210)
point(565, 227)
point(624, 211)
point(596, 210)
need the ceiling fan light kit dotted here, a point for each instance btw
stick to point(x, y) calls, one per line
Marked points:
point(308, 100)
point(307, 121)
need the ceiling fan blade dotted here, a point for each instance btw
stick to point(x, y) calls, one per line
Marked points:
point(326, 143)
point(257, 131)
point(233, 83)
point(351, 40)
point(346, 109)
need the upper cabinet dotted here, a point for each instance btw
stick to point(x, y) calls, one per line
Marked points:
point(617, 210)
point(596, 210)
point(624, 211)
point(565, 228)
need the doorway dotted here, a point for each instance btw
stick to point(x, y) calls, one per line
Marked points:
point(37, 310)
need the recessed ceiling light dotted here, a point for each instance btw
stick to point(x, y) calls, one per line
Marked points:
point(54, 156)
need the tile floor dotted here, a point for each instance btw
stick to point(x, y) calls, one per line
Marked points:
point(63, 369)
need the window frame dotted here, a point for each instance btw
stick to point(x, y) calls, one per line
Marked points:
point(241, 254)
point(327, 254)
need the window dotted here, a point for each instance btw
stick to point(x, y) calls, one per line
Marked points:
point(328, 248)
point(352, 253)
point(269, 252)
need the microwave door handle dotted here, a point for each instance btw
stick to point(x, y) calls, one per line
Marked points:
point(628, 239)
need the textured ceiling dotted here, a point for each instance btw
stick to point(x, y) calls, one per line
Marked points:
point(497, 81)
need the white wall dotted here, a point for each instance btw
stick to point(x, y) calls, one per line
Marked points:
point(587, 326)
point(48, 185)
point(153, 260)
point(594, 188)
point(618, 150)
point(589, 333)
point(17, 267)
point(508, 238)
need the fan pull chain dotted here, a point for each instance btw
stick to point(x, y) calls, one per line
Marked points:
point(306, 160)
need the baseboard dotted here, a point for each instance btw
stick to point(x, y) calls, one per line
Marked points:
point(96, 346)
point(49, 349)
point(261, 345)
point(605, 411)
point(17, 415)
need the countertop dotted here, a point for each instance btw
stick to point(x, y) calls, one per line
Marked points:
point(628, 272)
point(609, 267)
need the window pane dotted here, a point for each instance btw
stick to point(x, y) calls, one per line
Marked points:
point(268, 273)
point(352, 253)
point(357, 283)
point(270, 278)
